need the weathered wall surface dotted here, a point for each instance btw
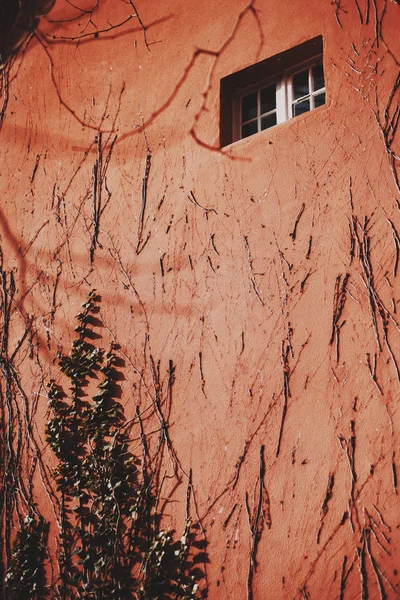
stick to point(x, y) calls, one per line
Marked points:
point(284, 332)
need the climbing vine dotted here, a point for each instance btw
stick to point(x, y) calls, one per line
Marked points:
point(110, 543)
point(285, 325)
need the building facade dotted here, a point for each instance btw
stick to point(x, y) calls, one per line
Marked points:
point(248, 287)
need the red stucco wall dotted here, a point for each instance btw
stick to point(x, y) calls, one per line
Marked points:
point(244, 310)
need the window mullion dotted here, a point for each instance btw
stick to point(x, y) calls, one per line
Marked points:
point(289, 96)
point(281, 101)
point(311, 88)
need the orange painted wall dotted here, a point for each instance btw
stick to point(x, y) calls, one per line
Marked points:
point(226, 293)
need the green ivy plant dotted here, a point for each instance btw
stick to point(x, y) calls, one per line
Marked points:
point(111, 545)
point(25, 577)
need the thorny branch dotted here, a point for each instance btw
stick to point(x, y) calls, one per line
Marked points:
point(339, 300)
point(349, 447)
point(325, 503)
point(286, 351)
point(258, 517)
point(252, 273)
point(294, 232)
point(142, 243)
point(99, 182)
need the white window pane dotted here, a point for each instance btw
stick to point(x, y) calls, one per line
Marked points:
point(249, 129)
point(249, 107)
point(318, 77)
point(301, 107)
point(319, 99)
point(268, 121)
point(267, 99)
point(300, 84)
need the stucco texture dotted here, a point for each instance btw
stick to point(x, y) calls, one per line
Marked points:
point(266, 271)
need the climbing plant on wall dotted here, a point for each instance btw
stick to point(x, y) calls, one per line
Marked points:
point(111, 543)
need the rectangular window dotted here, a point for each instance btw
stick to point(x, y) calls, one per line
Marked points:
point(272, 91)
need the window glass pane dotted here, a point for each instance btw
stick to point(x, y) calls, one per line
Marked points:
point(318, 77)
point(300, 84)
point(301, 107)
point(249, 129)
point(249, 107)
point(268, 121)
point(267, 99)
point(319, 99)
